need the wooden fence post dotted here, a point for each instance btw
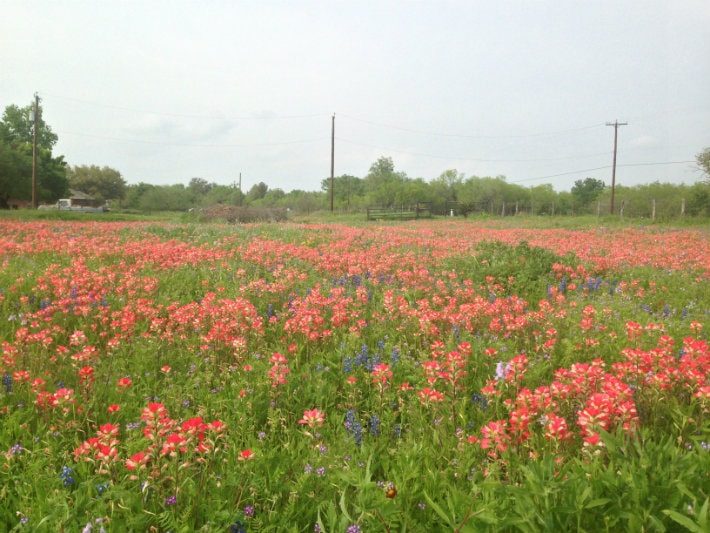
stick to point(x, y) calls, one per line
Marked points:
point(623, 204)
point(502, 212)
point(653, 209)
point(599, 208)
point(682, 207)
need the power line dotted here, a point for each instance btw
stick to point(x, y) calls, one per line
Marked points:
point(482, 160)
point(655, 163)
point(186, 115)
point(466, 136)
point(194, 145)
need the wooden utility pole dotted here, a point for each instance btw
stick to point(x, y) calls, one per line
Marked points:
point(332, 161)
point(35, 118)
point(616, 125)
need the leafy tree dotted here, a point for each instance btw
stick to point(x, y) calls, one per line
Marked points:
point(200, 187)
point(383, 185)
point(349, 191)
point(105, 182)
point(222, 194)
point(16, 158)
point(703, 160)
point(542, 198)
point(257, 191)
point(15, 167)
point(166, 198)
point(586, 191)
point(16, 127)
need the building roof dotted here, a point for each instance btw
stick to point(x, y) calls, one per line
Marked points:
point(79, 195)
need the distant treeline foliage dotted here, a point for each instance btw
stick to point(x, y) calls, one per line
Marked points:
point(383, 186)
point(451, 191)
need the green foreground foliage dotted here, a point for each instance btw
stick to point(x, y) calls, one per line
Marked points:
point(409, 466)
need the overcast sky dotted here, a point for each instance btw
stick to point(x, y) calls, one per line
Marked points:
point(167, 91)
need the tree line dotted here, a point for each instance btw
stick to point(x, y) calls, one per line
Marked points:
point(383, 185)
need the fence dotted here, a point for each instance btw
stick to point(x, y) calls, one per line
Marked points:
point(419, 210)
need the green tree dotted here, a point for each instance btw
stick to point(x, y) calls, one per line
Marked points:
point(586, 191)
point(383, 185)
point(15, 166)
point(16, 127)
point(542, 198)
point(16, 158)
point(166, 198)
point(257, 191)
point(199, 187)
point(348, 191)
point(105, 182)
point(703, 160)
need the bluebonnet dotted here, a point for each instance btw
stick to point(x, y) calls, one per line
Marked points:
point(7, 382)
point(237, 527)
point(491, 297)
point(374, 425)
point(397, 431)
point(563, 285)
point(348, 365)
point(364, 359)
point(101, 488)
point(270, 311)
point(394, 357)
point(666, 311)
point(353, 426)
point(67, 476)
point(479, 400)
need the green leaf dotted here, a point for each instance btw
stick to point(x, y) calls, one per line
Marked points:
point(597, 502)
point(683, 520)
point(437, 508)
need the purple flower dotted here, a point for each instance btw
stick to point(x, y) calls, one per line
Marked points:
point(249, 511)
point(354, 528)
point(320, 471)
point(171, 500)
point(500, 370)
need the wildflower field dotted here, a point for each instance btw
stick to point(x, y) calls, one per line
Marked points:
point(424, 376)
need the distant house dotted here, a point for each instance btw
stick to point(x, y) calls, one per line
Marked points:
point(81, 199)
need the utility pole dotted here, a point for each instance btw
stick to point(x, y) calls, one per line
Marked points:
point(240, 182)
point(332, 161)
point(35, 119)
point(616, 125)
